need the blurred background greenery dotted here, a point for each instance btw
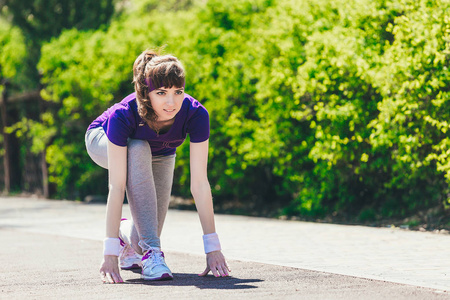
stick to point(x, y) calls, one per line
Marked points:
point(333, 109)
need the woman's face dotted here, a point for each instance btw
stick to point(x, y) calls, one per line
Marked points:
point(166, 102)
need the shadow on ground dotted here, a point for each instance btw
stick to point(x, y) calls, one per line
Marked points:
point(208, 282)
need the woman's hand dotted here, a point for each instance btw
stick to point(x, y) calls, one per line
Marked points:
point(109, 270)
point(216, 263)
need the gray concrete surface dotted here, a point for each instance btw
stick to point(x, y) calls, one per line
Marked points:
point(52, 249)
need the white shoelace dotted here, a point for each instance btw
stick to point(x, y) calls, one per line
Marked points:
point(155, 257)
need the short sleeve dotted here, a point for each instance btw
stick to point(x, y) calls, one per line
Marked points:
point(119, 126)
point(198, 125)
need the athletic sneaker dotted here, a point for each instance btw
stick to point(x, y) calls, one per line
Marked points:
point(154, 267)
point(128, 258)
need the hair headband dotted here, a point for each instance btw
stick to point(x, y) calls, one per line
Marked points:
point(150, 85)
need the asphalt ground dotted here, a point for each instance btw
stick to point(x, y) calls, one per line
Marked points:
point(52, 250)
point(44, 266)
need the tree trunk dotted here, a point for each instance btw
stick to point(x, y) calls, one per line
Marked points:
point(6, 146)
point(44, 168)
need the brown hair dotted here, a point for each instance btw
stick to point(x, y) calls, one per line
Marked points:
point(160, 71)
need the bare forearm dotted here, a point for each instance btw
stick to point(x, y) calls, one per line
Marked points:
point(203, 201)
point(114, 212)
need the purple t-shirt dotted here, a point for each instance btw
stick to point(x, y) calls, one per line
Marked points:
point(122, 121)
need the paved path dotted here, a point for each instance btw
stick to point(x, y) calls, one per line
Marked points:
point(373, 255)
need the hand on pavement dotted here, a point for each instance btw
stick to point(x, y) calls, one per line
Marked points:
point(109, 271)
point(216, 263)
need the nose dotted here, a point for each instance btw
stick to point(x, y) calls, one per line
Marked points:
point(170, 101)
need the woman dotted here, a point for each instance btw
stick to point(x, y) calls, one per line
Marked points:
point(136, 141)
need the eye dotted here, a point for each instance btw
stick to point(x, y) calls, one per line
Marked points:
point(179, 92)
point(160, 93)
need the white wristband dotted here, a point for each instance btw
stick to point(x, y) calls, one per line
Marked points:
point(211, 242)
point(111, 246)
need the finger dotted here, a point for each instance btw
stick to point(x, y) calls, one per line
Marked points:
point(222, 271)
point(225, 270)
point(116, 277)
point(119, 278)
point(214, 271)
point(227, 266)
point(204, 273)
point(103, 276)
point(109, 278)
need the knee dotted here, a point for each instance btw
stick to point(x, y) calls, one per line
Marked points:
point(138, 148)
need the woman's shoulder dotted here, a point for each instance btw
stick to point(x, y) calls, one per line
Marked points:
point(128, 102)
point(193, 106)
point(126, 108)
point(197, 121)
point(127, 105)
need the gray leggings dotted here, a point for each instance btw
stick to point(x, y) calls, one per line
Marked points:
point(149, 185)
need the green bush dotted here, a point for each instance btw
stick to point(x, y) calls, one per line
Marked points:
point(316, 106)
point(12, 55)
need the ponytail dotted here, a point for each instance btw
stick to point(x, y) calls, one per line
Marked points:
point(139, 79)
